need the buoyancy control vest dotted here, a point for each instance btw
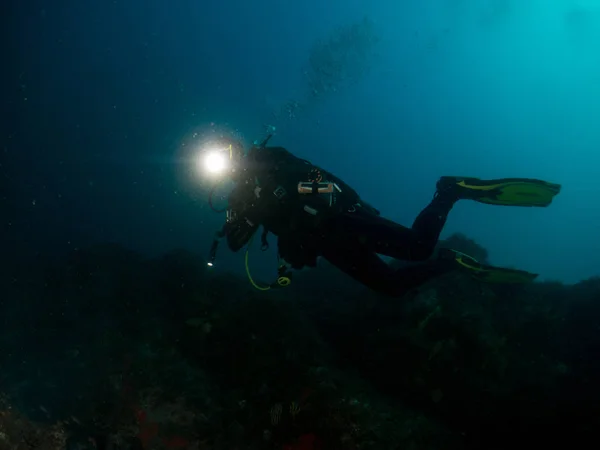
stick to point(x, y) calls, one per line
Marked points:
point(294, 193)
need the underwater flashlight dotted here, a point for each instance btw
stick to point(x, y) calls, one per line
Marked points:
point(215, 161)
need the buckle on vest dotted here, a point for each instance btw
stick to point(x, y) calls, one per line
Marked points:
point(279, 192)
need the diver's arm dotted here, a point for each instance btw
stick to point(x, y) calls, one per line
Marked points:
point(243, 215)
point(238, 230)
point(241, 222)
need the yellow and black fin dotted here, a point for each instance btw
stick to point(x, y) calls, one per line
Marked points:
point(504, 191)
point(484, 272)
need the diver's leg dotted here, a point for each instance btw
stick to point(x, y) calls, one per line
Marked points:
point(383, 236)
point(431, 220)
point(367, 268)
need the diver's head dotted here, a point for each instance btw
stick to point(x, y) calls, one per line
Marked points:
point(222, 157)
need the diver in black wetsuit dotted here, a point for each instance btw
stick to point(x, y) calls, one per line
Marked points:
point(314, 213)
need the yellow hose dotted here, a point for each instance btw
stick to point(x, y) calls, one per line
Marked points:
point(252, 282)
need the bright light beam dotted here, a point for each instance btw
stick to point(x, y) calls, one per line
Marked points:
point(215, 162)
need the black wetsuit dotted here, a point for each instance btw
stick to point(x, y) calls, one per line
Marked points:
point(346, 231)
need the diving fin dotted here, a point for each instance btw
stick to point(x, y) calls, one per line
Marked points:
point(484, 272)
point(504, 191)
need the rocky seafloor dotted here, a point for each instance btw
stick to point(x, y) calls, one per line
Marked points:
point(112, 350)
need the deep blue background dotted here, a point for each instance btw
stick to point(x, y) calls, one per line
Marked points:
point(101, 101)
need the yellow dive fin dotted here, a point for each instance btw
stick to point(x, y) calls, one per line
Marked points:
point(485, 273)
point(504, 191)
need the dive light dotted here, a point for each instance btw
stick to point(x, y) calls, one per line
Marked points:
point(217, 160)
point(212, 254)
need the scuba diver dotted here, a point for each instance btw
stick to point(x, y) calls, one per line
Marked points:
point(315, 214)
